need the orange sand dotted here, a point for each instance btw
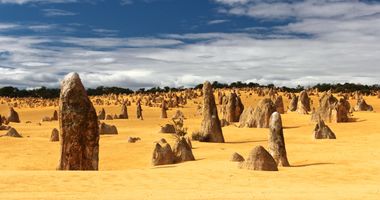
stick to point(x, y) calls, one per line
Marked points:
point(346, 168)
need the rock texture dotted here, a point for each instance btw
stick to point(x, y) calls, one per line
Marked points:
point(259, 159)
point(293, 103)
point(237, 158)
point(259, 117)
point(106, 129)
point(322, 131)
point(133, 139)
point(276, 141)
point(232, 108)
point(124, 112)
point(362, 105)
point(303, 105)
point(12, 132)
point(167, 128)
point(13, 116)
point(164, 108)
point(102, 114)
point(211, 130)
point(327, 104)
point(182, 151)
point(54, 137)
point(279, 103)
point(162, 154)
point(139, 111)
point(55, 116)
point(78, 127)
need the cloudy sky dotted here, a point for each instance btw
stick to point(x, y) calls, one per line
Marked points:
point(145, 43)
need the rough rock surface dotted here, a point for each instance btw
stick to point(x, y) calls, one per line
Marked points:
point(259, 117)
point(13, 116)
point(322, 131)
point(232, 108)
point(12, 132)
point(167, 128)
point(362, 105)
point(106, 129)
point(54, 137)
point(293, 103)
point(211, 130)
point(237, 158)
point(259, 159)
point(303, 105)
point(162, 154)
point(182, 151)
point(78, 127)
point(276, 141)
point(124, 112)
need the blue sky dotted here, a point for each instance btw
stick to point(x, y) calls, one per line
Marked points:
point(146, 43)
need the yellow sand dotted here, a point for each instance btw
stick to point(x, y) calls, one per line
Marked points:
point(346, 168)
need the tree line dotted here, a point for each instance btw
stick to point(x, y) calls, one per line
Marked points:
point(47, 93)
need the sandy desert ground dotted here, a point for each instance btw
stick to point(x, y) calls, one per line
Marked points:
point(346, 168)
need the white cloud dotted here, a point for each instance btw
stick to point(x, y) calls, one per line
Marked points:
point(57, 12)
point(321, 44)
point(8, 26)
point(218, 21)
point(36, 1)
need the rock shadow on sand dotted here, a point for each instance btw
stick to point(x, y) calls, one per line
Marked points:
point(312, 164)
point(244, 142)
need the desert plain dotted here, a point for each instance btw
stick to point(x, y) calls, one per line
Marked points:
point(345, 168)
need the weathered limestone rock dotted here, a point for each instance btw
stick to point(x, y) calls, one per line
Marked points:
point(133, 139)
point(102, 114)
point(259, 159)
point(259, 117)
point(362, 105)
point(182, 151)
point(13, 116)
point(124, 112)
point(167, 128)
point(12, 132)
point(139, 111)
point(211, 131)
point(279, 103)
point(276, 141)
point(106, 129)
point(54, 137)
point(303, 106)
point(237, 158)
point(164, 108)
point(233, 108)
point(78, 127)
point(293, 103)
point(322, 131)
point(162, 154)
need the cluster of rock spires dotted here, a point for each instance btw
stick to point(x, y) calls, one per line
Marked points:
point(232, 107)
point(332, 110)
point(80, 126)
point(163, 154)
point(362, 105)
point(261, 159)
point(258, 117)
